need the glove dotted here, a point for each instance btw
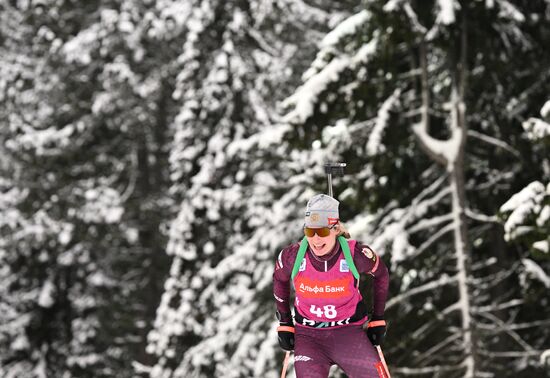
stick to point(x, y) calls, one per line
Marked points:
point(376, 330)
point(285, 331)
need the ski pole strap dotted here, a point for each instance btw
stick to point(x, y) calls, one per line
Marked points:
point(349, 259)
point(285, 329)
point(299, 257)
point(376, 323)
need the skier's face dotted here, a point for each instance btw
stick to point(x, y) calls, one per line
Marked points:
point(321, 245)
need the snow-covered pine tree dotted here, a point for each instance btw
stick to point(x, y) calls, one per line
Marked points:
point(526, 217)
point(527, 213)
point(216, 316)
point(403, 76)
point(84, 104)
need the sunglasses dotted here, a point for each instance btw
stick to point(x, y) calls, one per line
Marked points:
point(322, 232)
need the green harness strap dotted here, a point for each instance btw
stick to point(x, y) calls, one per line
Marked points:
point(345, 248)
point(299, 257)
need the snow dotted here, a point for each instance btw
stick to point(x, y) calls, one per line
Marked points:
point(392, 5)
point(40, 369)
point(306, 97)
point(174, 10)
point(131, 234)
point(84, 361)
point(99, 279)
point(326, 69)
point(21, 343)
point(536, 272)
point(544, 215)
point(66, 234)
point(545, 110)
point(209, 248)
point(102, 205)
point(345, 29)
point(46, 298)
point(536, 129)
point(374, 143)
point(509, 11)
point(532, 193)
point(522, 205)
point(339, 133)
point(79, 49)
point(237, 184)
point(446, 14)
point(47, 142)
point(365, 53)
point(445, 148)
point(542, 245)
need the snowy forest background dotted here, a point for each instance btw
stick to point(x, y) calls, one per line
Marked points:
point(156, 155)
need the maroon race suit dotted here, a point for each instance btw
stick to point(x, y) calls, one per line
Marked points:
point(322, 341)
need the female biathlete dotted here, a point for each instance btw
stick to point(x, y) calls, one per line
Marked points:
point(329, 310)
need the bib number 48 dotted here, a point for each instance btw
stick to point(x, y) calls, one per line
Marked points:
point(329, 311)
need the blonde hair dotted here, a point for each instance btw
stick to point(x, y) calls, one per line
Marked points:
point(343, 231)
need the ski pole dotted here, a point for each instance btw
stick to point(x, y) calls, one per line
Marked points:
point(381, 355)
point(285, 364)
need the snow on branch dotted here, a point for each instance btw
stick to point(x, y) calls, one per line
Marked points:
point(80, 48)
point(305, 98)
point(334, 40)
point(327, 69)
point(433, 238)
point(522, 205)
point(447, 151)
point(364, 54)
point(486, 282)
point(493, 141)
point(536, 129)
point(428, 354)
point(347, 28)
point(545, 110)
point(442, 281)
point(510, 354)
point(480, 217)
point(494, 328)
point(509, 11)
point(436, 369)
point(513, 334)
point(483, 264)
point(498, 307)
point(534, 270)
point(374, 144)
point(52, 141)
point(446, 11)
point(398, 223)
point(438, 317)
point(545, 357)
point(428, 223)
point(393, 5)
point(417, 26)
point(444, 151)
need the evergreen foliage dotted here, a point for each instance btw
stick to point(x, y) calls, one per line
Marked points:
point(157, 155)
